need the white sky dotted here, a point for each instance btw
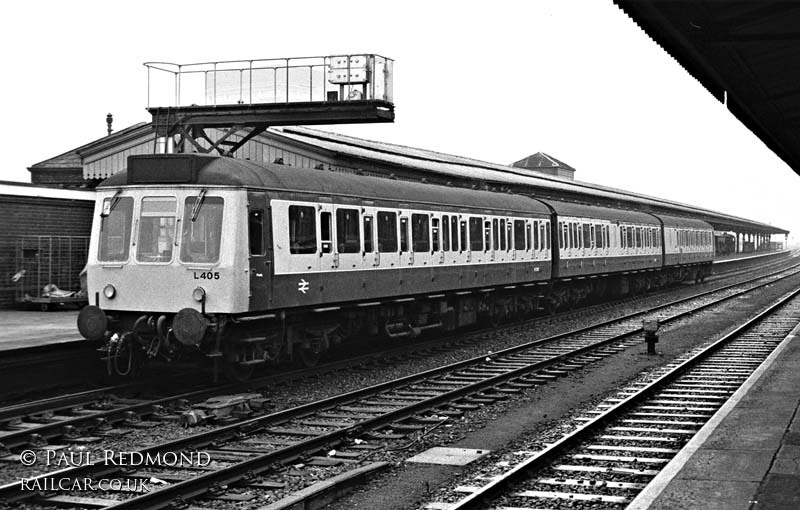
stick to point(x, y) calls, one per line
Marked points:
point(494, 81)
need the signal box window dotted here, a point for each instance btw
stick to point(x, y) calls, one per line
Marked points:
point(255, 229)
point(419, 233)
point(115, 229)
point(387, 232)
point(156, 229)
point(302, 230)
point(475, 234)
point(326, 240)
point(202, 229)
point(347, 231)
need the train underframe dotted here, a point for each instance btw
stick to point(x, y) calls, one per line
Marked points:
point(238, 345)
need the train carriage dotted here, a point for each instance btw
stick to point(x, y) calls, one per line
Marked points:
point(249, 263)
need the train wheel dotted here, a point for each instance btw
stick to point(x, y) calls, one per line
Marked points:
point(237, 372)
point(309, 356)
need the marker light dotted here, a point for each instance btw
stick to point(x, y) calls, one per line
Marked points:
point(109, 291)
point(199, 294)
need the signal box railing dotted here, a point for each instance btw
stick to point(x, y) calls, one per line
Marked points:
point(270, 81)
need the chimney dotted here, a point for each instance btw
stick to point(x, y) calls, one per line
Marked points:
point(109, 120)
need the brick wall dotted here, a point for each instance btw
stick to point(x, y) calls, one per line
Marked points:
point(35, 216)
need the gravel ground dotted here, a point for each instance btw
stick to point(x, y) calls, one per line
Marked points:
point(542, 413)
point(493, 427)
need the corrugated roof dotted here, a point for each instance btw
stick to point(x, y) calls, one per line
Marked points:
point(460, 167)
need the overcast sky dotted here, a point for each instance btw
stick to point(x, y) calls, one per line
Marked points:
point(494, 81)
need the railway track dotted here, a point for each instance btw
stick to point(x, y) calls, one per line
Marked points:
point(626, 440)
point(96, 412)
point(345, 430)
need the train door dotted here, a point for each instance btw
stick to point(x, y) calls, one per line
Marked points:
point(369, 253)
point(260, 249)
point(328, 257)
point(347, 237)
point(386, 224)
point(421, 238)
point(406, 254)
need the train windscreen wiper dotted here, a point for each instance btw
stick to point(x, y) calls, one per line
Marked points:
point(198, 204)
point(114, 201)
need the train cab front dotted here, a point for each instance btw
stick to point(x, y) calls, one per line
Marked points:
point(161, 271)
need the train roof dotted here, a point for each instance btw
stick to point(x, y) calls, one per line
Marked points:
point(602, 213)
point(675, 221)
point(205, 170)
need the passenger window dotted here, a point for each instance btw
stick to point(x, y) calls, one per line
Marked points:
point(435, 233)
point(368, 234)
point(454, 233)
point(302, 230)
point(419, 233)
point(510, 236)
point(347, 231)
point(475, 234)
point(535, 235)
point(519, 235)
point(325, 232)
point(588, 234)
point(115, 229)
point(529, 236)
point(387, 232)
point(403, 234)
point(445, 233)
point(546, 228)
point(496, 234)
point(501, 234)
point(487, 237)
point(255, 229)
point(598, 235)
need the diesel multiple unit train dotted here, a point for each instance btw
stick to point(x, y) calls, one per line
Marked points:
point(250, 264)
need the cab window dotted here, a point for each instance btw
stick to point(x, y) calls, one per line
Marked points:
point(202, 229)
point(156, 229)
point(115, 229)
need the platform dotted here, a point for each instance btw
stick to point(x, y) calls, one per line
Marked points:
point(748, 456)
point(28, 329)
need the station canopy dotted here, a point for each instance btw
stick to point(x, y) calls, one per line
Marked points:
point(745, 53)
